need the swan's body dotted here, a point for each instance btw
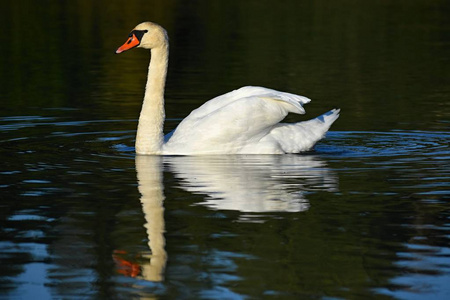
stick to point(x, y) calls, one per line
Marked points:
point(244, 121)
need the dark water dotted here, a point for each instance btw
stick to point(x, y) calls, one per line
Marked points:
point(365, 215)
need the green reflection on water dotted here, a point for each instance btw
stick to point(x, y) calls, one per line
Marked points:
point(384, 63)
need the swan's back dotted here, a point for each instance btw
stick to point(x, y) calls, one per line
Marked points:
point(244, 121)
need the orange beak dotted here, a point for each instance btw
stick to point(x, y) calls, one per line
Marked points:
point(132, 42)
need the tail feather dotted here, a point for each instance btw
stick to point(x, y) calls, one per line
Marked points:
point(327, 119)
point(302, 136)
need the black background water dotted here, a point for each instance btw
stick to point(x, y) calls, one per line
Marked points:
point(365, 215)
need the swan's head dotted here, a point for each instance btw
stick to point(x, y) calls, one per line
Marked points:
point(146, 35)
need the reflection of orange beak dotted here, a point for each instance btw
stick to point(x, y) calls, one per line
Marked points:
point(129, 44)
point(124, 266)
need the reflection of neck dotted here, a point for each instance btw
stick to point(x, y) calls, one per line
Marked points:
point(149, 176)
point(149, 136)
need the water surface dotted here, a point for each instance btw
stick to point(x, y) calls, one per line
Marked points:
point(365, 215)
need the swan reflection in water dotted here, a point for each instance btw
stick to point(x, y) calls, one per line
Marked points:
point(249, 184)
point(253, 184)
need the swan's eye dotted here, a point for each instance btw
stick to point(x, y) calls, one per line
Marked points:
point(138, 34)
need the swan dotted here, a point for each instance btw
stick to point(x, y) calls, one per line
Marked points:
point(243, 121)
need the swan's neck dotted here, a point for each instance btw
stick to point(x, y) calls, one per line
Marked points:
point(149, 137)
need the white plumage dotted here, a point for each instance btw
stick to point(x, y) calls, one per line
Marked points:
point(246, 121)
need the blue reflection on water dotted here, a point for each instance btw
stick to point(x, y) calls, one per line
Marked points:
point(51, 238)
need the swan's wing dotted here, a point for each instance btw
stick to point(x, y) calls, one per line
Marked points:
point(232, 121)
point(246, 92)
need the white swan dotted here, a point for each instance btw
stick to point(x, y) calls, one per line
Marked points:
point(244, 121)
